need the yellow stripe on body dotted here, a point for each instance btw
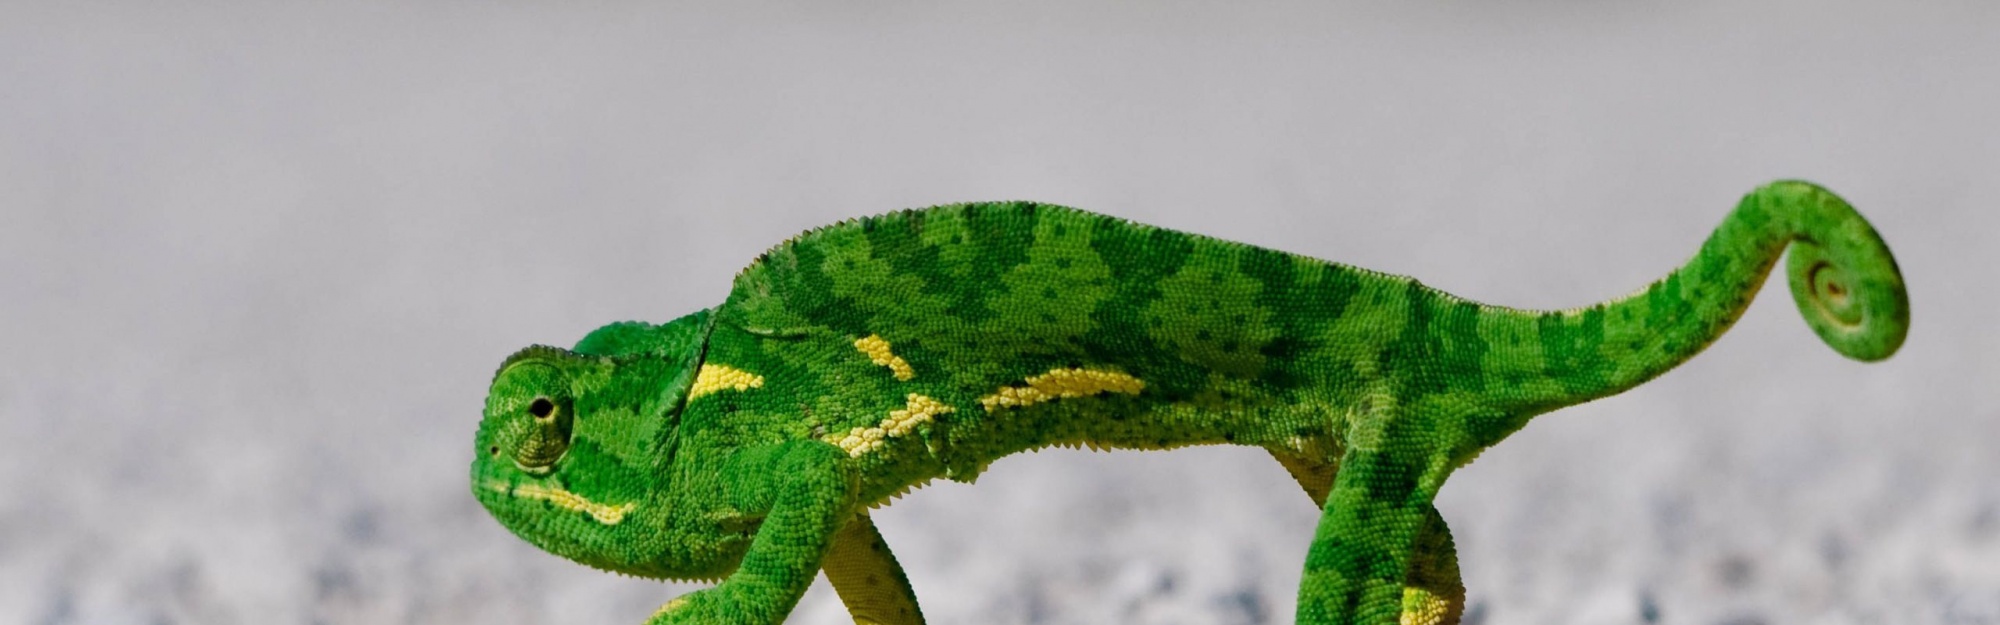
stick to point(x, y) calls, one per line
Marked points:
point(917, 410)
point(878, 352)
point(1062, 384)
point(713, 378)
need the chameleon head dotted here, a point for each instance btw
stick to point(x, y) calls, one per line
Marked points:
point(571, 452)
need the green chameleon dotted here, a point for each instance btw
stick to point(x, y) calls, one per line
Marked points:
point(746, 443)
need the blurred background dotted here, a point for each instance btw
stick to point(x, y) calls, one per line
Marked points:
point(259, 260)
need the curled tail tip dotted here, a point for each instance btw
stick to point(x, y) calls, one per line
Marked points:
point(1864, 317)
point(1843, 277)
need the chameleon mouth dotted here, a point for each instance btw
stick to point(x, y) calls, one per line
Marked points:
point(602, 513)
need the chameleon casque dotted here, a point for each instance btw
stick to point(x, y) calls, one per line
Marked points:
point(746, 443)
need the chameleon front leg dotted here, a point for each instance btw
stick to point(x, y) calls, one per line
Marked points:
point(1433, 592)
point(865, 575)
point(808, 489)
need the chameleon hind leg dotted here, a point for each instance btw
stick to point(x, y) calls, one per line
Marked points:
point(866, 576)
point(1433, 592)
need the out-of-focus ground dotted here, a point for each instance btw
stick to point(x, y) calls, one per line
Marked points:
point(257, 264)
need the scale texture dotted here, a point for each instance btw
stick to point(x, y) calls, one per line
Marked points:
point(746, 443)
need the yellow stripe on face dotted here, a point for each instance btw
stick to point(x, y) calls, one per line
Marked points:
point(1062, 384)
point(917, 410)
point(878, 352)
point(606, 514)
point(713, 378)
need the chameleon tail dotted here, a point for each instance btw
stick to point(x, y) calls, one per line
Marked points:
point(1843, 279)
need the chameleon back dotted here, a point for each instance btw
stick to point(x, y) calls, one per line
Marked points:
point(1042, 325)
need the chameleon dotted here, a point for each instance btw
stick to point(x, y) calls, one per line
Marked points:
point(746, 444)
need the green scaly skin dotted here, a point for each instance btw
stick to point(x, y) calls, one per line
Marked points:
point(855, 362)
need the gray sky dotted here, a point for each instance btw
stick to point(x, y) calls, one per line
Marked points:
point(258, 261)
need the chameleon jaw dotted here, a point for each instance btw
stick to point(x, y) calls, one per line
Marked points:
point(602, 513)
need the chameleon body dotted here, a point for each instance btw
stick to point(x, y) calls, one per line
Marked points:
point(746, 443)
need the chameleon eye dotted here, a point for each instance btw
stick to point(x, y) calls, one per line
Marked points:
point(545, 439)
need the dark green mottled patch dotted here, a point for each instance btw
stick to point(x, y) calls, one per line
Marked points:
point(1571, 349)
